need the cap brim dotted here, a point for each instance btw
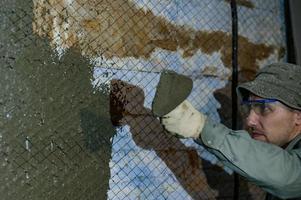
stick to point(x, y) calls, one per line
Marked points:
point(266, 90)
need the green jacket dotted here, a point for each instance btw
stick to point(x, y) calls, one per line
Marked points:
point(275, 170)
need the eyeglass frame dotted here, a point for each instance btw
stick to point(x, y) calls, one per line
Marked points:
point(261, 102)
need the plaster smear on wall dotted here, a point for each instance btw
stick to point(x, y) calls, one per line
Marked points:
point(104, 30)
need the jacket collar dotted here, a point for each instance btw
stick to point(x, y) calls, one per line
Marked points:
point(294, 142)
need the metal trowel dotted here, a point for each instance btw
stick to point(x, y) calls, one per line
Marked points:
point(171, 91)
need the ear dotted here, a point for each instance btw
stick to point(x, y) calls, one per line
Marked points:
point(297, 117)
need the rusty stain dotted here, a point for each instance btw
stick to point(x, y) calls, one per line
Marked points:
point(244, 3)
point(125, 101)
point(120, 98)
point(117, 102)
point(193, 158)
point(249, 54)
point(119, 29)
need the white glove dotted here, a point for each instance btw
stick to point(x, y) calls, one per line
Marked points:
point(184, 120)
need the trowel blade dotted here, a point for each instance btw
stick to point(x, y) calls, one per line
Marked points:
point(171, 91)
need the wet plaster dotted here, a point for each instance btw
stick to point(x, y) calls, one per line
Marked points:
point(55, 127)
point(119, 29)
point(171, 91)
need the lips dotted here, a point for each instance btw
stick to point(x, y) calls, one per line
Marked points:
point(255, 134)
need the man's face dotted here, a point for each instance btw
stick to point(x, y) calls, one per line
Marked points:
point(272, 122)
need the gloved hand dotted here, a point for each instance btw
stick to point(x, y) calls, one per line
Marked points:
point(184, 121)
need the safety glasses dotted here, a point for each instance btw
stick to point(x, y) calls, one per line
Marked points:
point(260, 106)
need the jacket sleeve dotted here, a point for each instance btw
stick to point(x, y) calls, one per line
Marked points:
point(275, 170)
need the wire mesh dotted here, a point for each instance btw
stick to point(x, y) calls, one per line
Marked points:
point(77, 83)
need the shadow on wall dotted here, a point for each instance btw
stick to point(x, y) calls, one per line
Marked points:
point(197, 176)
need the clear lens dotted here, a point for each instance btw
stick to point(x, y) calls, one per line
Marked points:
point(260, 106)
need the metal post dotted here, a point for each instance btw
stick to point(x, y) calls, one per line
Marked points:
point(291, 55)
point(234, 83)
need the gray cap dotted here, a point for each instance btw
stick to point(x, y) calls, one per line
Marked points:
point(281, 81)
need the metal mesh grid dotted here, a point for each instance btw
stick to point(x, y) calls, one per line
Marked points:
point(72, 68)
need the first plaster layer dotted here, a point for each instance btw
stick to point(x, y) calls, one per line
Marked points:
point(55, 128)
point(119, 29)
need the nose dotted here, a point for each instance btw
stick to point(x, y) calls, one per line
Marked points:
point(252, 119)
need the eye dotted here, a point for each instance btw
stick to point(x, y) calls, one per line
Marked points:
point(265, 109)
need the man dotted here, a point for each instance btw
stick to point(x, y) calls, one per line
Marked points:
point(270, 155)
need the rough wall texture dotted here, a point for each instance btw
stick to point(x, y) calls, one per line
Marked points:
point(55, 127)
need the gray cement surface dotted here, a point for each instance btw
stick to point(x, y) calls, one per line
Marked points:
point(55, 128)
